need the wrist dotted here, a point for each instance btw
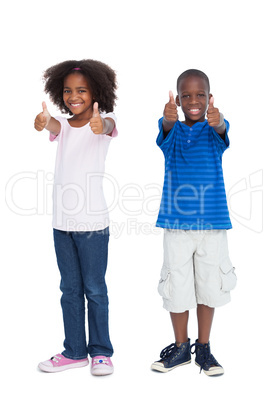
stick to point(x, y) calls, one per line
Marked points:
point(107, 126)
point(48, 117)
point(220, 128)
point(168, 124)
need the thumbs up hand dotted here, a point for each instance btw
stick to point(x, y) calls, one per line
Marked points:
point(170, 111)
point(96, 122)
point(213, 114)
point(42, 119)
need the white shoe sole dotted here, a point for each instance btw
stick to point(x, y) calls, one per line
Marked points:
point(160, 367)
point(102, 371)
point(213, 371)
point(52, 369)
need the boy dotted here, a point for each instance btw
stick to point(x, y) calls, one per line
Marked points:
point(197, 271)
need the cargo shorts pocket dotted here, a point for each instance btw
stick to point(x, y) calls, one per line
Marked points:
point(164, 283)
point(228, 276)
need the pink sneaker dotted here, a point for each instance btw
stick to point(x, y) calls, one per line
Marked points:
point(60, 363)
point(101, 365)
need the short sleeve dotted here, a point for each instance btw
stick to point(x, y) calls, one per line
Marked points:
point(222, 144)
point(165, 143)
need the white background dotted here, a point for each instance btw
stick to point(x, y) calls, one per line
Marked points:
point(148, 43)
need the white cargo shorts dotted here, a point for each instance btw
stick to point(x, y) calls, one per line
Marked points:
point(196, 269)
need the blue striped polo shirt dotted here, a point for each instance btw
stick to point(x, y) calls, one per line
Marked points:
point(193, 196)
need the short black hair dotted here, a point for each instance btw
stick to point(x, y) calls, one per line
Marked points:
point(100, 77)
point(193, 73)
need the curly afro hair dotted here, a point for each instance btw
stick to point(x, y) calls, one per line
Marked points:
point(100, 77)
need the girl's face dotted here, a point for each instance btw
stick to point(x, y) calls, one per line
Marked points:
point(77, 95)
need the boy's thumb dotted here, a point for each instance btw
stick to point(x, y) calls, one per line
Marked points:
point(211, 102)
point(171, 97)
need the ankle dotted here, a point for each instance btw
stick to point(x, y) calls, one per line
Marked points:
point(179, 342)
point(203, 341)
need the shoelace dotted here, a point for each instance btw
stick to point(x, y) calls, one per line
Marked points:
point(207, 358)
point(56, 358)
point(168, 351)
point(100, 361)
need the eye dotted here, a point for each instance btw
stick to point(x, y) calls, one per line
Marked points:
point(81, 90)
point(201, 95)
point(66, 91)
point(185, 96)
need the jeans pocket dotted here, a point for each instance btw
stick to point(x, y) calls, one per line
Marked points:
point(228, 276)
point(164, 283)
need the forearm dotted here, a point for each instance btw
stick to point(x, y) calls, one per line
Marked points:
point(108, 126)
point(53, 126)
point(221, 127)
point(167, 126)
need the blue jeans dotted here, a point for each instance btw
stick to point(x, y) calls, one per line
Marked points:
point(82, 260)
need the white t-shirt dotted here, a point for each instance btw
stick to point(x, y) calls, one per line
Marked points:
point(78, 198)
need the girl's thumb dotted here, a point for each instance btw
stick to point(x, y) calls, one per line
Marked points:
point(44, 106)
point(45, 111)
point(95, 109)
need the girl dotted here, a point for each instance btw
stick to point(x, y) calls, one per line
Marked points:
point(86, 91)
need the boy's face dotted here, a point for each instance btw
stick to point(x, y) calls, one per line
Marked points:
point(193, 97)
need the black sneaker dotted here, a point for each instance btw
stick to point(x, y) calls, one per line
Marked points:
point(205, 359)
point(173, 356)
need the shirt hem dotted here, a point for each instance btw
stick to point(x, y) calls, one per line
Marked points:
point(191, 227)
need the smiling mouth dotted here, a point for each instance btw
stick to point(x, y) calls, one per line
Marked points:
point(75, 104)
point(194, 111)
